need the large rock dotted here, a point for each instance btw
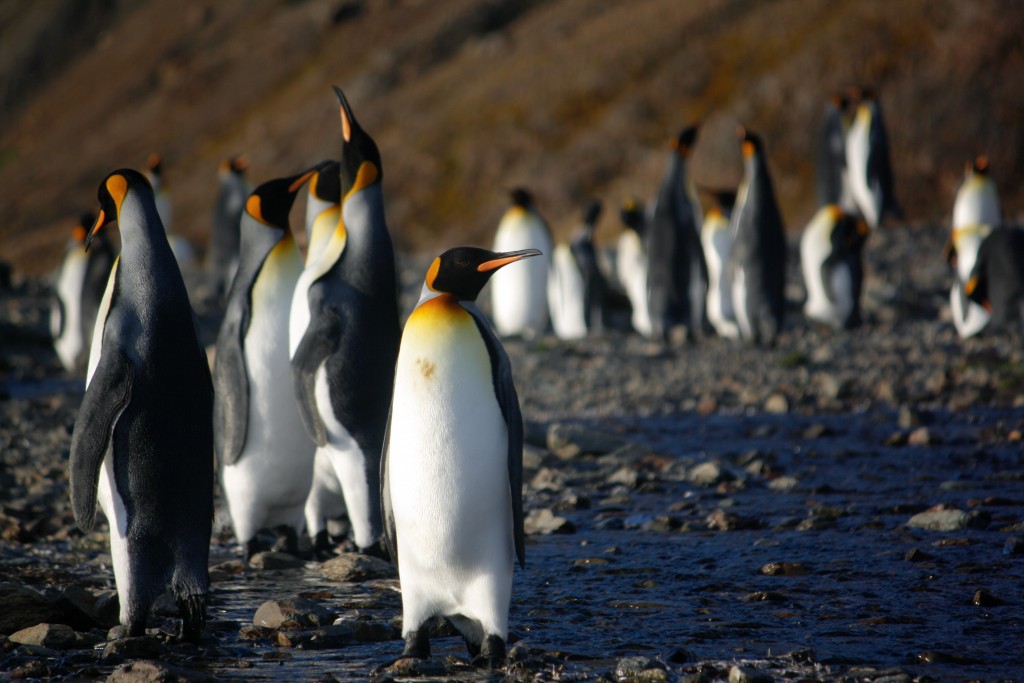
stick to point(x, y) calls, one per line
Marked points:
point(56, 636)
point(356, 567)
point(147, 671)
point(299, 611)
point(947, 518)
point(24, 607)
point(567, 441)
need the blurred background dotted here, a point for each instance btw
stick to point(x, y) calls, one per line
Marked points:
point(468, 98)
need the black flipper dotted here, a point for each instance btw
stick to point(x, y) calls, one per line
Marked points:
point(387, 511)
point(231, 383)
point(108, 394)
point(320, 340)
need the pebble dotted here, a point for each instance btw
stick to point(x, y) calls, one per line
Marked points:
point(945, 518)
point(982, 598)
point(271, 560)
point(777, 404)
point(922, 436)
point(721, 520)
point(147, 671)
point(568, 440)
point(784, 569)
point(142, 647)
point(56, 636)
point(356, 568)
point(301, 611)
point(410, 667)
point(917, 555)
point(542, 521)
point(742, 674)
point(710, 473)
point(1014, 546)
point(640, 669)
point(24, 607)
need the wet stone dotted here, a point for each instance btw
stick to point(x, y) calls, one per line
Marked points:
point(147, 671)
point(710, 473)
point(777, 404)
point(142, 647)
point(784, 569)
point(548, 479)
point(84, 609)
point(917, 555)
point(369, 630)
point(568, 441)
point(1014, 546)
point(57, 636)
point(922, 436)
point(742, 674)
point(543, 521)
point(272, 560)
point(640, 669)
point(721, 520)
point(946, 518)
point(357, 567)
point(24, 607)
point(411, 667)
point(983, 598)
point(625, 476)
point(300, 611)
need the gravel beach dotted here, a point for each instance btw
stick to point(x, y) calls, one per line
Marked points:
point(843, 506)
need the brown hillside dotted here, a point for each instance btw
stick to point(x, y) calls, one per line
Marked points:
point(465, 98)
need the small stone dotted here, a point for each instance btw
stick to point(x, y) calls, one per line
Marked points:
point(548, 479)
point(783, 483)
point(368, 630)
point(625, 476)
point(412, 667)
point(543, 521)
point(710, 473)
point(301, 611)
point(56, 636)
point(142, 647)
point(590, 561)
point(356, 568)
point(922, 436)
point(817, 431)
point(1014, 546)
point(917, 555)
point(908, 418)
point(982, 598)
point(84, 609)
point(946, 518)
point(271, 560)
point(147, 671)
point(640, 669)
point(895, 440)
point(784, 569)
point(742, 674)
point(568, 441)
point(777, 404)
point(721, 520)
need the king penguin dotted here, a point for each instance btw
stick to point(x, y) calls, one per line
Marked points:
point(184, 254)
point(831, 175)
point(831, 248)
point(716, 239)
point(344, 335)
point(81, 281)
point(756, 271)
point(997, 279)
point(677, 280)
point(452, 472)
point(976, 212)
point(519, 297)
point(631, 264)
point(143, 440)
point(323, 204)
point(222, 259)
point(265, 454)
point(868, 161)
point(576, 285)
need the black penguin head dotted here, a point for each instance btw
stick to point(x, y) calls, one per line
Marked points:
point(979, 165)
point(235, 165)
point(325, 184)
point(521, 197)
point(592, 212)
point(112, 191)
point(271, 202)
point(155, 164)
point(683, 143)
point(632, 215)
point(463, 271)
point(360, 164)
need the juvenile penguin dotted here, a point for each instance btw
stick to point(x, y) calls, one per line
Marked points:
point(222, 259)
point(831, 248)
point(265, 454)
point(519, 297)
point(868, 161)
point(677, 280)
point(323, 205)
point(631, 264)
point(997, 279)
point(716, 239)
point(345, 333)
point(756, 271)
point(976, 211)
point(184, 254)
point(143, 440)
point(80, 283)
point(576, 285)
point(452, 470)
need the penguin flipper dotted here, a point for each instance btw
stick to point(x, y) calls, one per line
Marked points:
point(108, 394)
point(508, 400)
point(387, 511)
point(231, 389)
point(320, 340)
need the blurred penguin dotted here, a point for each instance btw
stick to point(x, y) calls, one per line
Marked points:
point(323, 206)
point(677, 278)
point(222, 259)
point(631, 264)
point(184, 253)
point(831, 248)
point(576, 286)
point(519, 296)
point(976, 212)
point(868, 160)
point(716, 239)
point(997, 279)
point(81, 280)
point(832, 177)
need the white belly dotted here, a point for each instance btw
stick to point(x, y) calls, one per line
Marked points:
point(717, 243)
point(566, 295)
point(71, 342)
point(519, 293)
point(632, 273)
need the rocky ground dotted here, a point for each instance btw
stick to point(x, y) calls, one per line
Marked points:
point(844, 506)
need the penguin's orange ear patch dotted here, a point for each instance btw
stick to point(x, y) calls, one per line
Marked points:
point(971, 285)
point(253, 207)
point(432, 273)
point(117, 186)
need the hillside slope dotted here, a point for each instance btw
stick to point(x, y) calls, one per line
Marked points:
point(574, 98)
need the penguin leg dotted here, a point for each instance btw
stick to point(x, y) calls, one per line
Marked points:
point(417, 644)
point(192, 609)
point(287, 539)
point(492, 653)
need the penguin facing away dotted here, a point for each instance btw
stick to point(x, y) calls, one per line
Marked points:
point(631, 265)
point(756, 271)
point(519, 297)
point(576, 285)
point(222, 259)
point(997, 279)
point(716, 240)
point(831, 249)
point(831, 174)
point(81, 280)
point(976, 212)
point(344, 335)
point(323, 205)
point(676, 271)
point(452, 469)
point(868, 161)
point(265, 454)
point(143, 440)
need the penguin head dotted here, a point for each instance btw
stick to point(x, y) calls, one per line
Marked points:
point(979, 166)
point(592, 212)
point(521, 197)
point(463, 271)
point(81, 230)
point(750, 142)
point(683, 143)
point(155, 164)
point(271, 202)
point(360, 164)
point(112, 192)
point(234, 166)
point(632, 215)
point(325, 184)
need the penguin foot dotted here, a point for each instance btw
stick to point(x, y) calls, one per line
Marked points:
point(192, 609)
point(287, 540)
point(492, 653)
point(378, 550)
point(323, 549)
point(417, 644)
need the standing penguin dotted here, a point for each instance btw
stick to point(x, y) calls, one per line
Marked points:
point(831, 249)
point(631, 264)
point(519, 297)
point(184, 254)
point(576, 286)
point(677, 280)
point(143, 440)
point(976, 212)
point(997, 279)
point(832, 175)
point(265, 454)
point(868, 164)
point(756, 271)
point(716, 240)
point(345, 333)
point(323, 205)
point(80, 284)
point(222, 259)
point(452, 470)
